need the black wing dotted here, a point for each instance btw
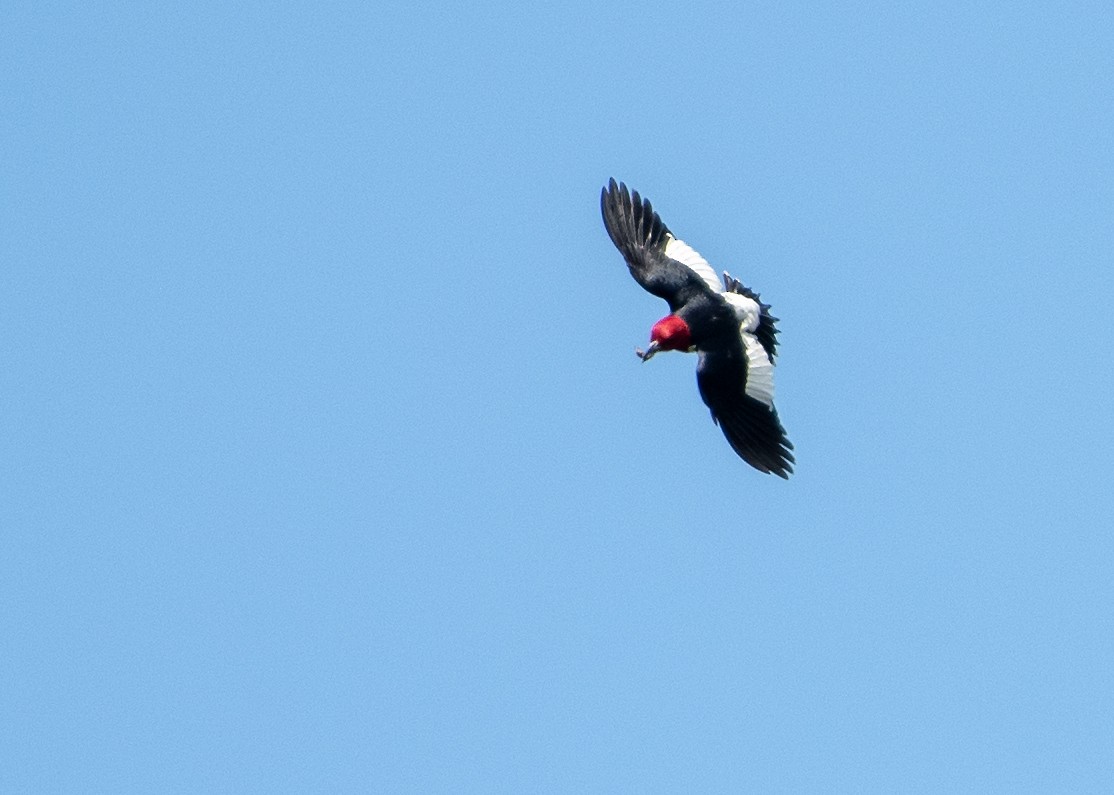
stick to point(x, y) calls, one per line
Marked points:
point(752, 428)
point(766, 331)
point(641, 237)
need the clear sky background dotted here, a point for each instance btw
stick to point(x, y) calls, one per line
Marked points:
point(327, 463)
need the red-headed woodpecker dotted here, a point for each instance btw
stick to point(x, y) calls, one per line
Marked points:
point(731, 329)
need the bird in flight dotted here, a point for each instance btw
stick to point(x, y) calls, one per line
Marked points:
point(726, 324)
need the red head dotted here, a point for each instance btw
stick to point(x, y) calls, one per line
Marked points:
point(671, 334)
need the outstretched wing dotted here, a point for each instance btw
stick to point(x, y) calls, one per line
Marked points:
point(751, 425)
point(662, 264)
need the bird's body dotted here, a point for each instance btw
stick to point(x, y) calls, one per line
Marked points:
point(725, 323)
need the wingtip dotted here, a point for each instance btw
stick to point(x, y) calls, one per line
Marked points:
point(756, 435)
point(615, 194)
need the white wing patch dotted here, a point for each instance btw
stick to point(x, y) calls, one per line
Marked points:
point(687, 256)
point(760, 370)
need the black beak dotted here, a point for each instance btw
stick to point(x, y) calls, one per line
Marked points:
point(645, 355)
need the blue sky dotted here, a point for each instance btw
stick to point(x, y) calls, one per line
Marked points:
point(328, 464)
